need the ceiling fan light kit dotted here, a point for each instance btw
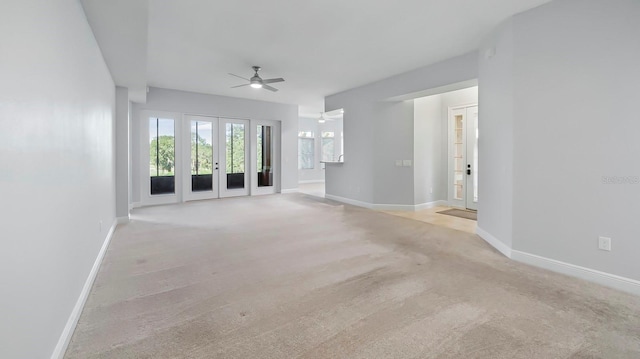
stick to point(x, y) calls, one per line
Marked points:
point(257, 82)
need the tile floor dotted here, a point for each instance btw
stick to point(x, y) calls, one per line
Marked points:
point(426, 215)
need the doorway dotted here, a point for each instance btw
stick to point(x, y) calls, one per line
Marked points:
point(216, 154)
point(463, 161)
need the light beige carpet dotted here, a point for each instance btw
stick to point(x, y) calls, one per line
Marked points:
point(287, 276)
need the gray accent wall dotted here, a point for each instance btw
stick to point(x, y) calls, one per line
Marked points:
point(558, 150)
point(378, 129)
point(576, 72)
point(429, 152)
point(558, 117)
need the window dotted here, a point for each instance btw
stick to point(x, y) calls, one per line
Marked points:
point(306, 151)
point(162, 155)
point(328, 146)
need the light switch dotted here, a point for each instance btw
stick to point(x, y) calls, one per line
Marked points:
point(398, 163)
point(406, 163)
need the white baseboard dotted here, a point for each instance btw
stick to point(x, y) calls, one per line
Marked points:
point(428, 205)
point(67, 333)
point(135, 205)
point(607, 279)
point(289, 190)
point(310, 181)
point(350, 201)
point(494, 242)
point(122, 220)
point(386, 207)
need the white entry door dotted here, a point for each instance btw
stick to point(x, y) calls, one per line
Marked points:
point(471, 198)
point(463, 163)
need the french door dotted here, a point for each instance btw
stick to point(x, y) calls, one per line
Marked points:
point(217, 157)
point(463, 161)
point(192, 157)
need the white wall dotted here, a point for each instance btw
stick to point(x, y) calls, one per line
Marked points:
point(57, 158)
point(576, 74)
point(368, 113)
point(220, 106)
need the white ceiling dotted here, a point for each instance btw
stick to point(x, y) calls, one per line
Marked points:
point(319, 47)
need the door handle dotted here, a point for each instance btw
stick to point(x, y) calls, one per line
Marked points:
point(468, 169)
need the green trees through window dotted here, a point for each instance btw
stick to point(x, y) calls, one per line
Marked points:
point(161, 147)
point(201, 148)
point(162, 156)
point(235, 148)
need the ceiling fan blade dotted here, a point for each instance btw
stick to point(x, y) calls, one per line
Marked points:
point(238, 76)
point(267, 87)
point(272, 81)
point(240, 86)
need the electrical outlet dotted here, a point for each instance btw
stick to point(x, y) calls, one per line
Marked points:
point(406, 163)
point(604, 243)
point(431, 190)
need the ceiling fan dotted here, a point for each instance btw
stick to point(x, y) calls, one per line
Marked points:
point(257, 82)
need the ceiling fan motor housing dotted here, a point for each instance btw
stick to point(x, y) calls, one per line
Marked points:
point(256, 80)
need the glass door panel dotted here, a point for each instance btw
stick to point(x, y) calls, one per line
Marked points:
point(200, 176)
point(233, 162)
point(201, 156)
point(162, 156)
point(264, 155)
point(235, 153)
point(458, 157)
